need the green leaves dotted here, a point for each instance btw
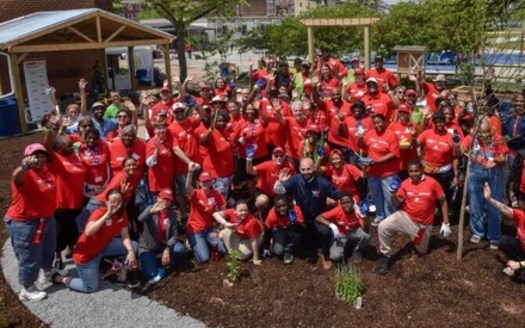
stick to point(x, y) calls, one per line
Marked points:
point(348, 284)
point(234, 266)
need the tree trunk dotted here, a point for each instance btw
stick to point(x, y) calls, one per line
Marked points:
point(181, 42)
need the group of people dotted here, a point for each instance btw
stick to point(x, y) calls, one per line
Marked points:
point(303, 158)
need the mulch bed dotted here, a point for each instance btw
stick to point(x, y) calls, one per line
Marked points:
point(432, 290)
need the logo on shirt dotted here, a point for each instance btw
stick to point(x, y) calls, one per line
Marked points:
point(316, 193)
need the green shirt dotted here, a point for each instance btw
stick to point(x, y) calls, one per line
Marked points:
point(112, 111)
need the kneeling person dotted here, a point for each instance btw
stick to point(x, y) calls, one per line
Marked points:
point(416, 198)
point(346, 227)
point(242, 231)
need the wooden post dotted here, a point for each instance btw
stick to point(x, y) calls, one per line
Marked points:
point(167, 65)
point(19, 93)
point(311, 49)
point(367, 47)
point(131, 66)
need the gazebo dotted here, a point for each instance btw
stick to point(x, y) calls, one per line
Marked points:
point(72, 30)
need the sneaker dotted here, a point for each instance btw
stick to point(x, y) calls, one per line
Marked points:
point(154, 280)
point(31, 294)
point(326, 262)
point(386, 264)
point(357, 257)
point(475, 239)
point(46, 279)
point(288, 258)
point(129, 283)
point(494, 245)
point(508, 271)
point(375, 223)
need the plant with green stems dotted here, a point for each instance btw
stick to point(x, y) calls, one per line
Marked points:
point(348, 285)
point(234, 266)
point(3, 322)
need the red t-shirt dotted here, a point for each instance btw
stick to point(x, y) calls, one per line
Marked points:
point(431, 94)
point(249, 228)
point(383, 76)
point(184, 136)
point(217, 154)
point(484, 153)
point(202, 207)
point(438, 148)
point(344, 180)
point(162, 106)
point(119, 153)
point(405, 137)
point(275, 133)
point(96, 162)
point(379, 145)
point(319, 118)
point(69, 174)
point(35, 198)
point(268, 174)
point(351, 127)
point(420, 198)
point(116, 182)
point(380, 103)
point(333, 121)
point(346, 223)
point(89, 247)
point(160, 175)
point(276, 221)
point(295, 134)
point(519, 217)
point(356, 91)
point(253, 133)
point(325, 89)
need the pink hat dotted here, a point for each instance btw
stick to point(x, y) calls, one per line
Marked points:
point(166, 193)
point(33, 148)
point(205, 176)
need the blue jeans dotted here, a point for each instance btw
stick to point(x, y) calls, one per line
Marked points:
point(148, 259)
point(479, 205)
point(285, 241)
point(200, 242)
point(83, 217)
point(378, 190)
point(88, 272)
point(32, 257)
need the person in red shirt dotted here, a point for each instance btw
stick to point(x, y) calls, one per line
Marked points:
point(314, 146)
point(344, 176)
point(94, 154)
point(336, 68)
point(221, 88)
point(241, 231)
point(416, 199)
point(346, 228)
point(200, 230)
point(128, 146)
point(377, 102)
point(432, 91)
point(355, 126)
point(165, 103)
point(512, 247)
point(106, 234)
point(406, 132)
point(326, 82)
point(296, 127)
point(382, 145)
point(30, 220)
point(284, 224)
point(234, 109)
point(386, 79)
point(267, 174)
point(124, 118)
point(275, 134)
point(159, 159)
point(358, 89)
point(337, 110)
point(70, 174)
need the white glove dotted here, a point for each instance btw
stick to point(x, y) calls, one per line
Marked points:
point(445, 230)
point(335, 231)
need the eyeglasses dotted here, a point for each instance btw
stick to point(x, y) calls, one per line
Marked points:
point(122, 116)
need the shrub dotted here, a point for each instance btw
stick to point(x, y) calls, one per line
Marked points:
point(234, 266)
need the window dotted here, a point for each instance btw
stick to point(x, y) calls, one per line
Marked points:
point(244, 29)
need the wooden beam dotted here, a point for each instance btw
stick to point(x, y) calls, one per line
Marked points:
point(131, 66)
point(367, 47)
point(311, 48)
point(80, 34)
point(340, 21)
point(84, 46)
point(112, 36)
point(22, 57)
point(99, 30)
point(19, 93)
point(167, 65)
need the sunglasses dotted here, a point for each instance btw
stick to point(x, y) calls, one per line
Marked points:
point(278, 156)
point(122, 116)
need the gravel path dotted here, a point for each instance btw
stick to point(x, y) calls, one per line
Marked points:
point(110, 306)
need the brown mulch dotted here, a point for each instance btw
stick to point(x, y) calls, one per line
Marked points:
point(431, 290)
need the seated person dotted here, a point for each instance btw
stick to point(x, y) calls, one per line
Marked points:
point(242, 231)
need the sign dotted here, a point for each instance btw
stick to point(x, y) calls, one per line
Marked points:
point(35, 74)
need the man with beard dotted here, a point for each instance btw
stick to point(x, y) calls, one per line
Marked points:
point(386, 79)
point(310, 192)
point(104, 126)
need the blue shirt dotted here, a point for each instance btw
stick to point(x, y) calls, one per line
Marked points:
point(104, 129)
point(311, 196)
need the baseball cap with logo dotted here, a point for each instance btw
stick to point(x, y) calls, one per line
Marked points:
point(166, 193)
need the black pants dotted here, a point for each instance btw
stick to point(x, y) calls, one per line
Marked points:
point(67, 232)
point(317, 235)
point(511, 248)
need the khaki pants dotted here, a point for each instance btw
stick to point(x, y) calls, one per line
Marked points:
point(232, 240)
point(400, 222)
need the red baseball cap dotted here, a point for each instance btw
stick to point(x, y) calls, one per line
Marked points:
point(278, 151)
point(359, 71)
point(205, 176)
point(410, 92)
point(403, 108)
point(166, 193)
point(313, 128)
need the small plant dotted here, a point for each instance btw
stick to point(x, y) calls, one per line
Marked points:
point(3, 322)
point(348, 285)
point(234, 266)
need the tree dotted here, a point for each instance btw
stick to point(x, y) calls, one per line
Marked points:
point(182, 13)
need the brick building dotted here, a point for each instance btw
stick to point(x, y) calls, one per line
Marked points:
point(64, 68)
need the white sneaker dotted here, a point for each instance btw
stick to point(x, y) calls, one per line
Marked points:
point(31, 294)
point(475, 239)
point(45, 279)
